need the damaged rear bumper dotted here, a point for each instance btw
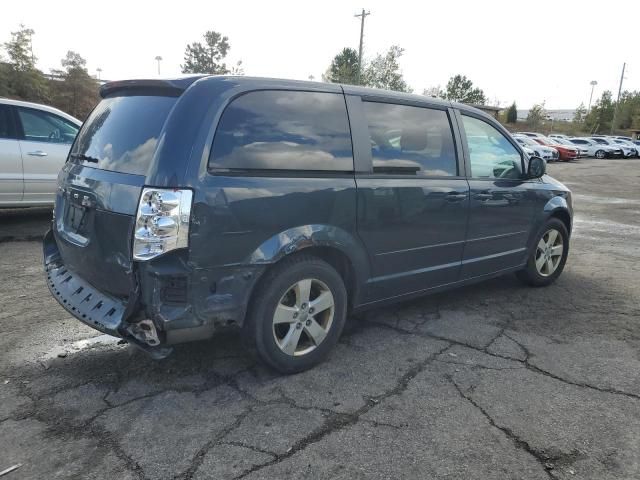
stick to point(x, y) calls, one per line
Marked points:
point(94, 308)
point(155, 315)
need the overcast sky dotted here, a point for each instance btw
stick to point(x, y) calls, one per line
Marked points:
point(544, 51)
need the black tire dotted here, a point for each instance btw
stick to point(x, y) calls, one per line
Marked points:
point(600, 154)
point(259, 327)
point(530, 274)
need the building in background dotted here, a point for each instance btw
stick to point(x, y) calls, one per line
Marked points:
point(493, 111)
point(562, 115)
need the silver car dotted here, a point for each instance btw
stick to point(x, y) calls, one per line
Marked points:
point(34, 143)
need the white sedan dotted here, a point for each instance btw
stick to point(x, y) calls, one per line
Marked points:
point(34, 143)
point(627, 150)
point(595, 149)
point(628, 143)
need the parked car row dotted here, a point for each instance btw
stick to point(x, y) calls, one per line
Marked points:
point(568, 148)
point(618, 145)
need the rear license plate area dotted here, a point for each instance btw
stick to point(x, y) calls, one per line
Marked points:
point(78, 213)
point(75, 217)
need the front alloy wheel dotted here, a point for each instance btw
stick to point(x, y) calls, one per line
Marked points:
point(549, 252)
point(303, 317)
point(600, 154)
point(547, 256)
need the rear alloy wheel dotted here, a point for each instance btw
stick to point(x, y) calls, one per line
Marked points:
point(297, 314)
point(303, 317)
point(548, 255)
point(600, 154)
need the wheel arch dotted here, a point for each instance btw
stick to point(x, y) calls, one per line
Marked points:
point(337, 247)
point(562, 215)
point(559, 207)
point(556, 207)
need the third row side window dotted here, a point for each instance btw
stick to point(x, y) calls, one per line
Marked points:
point(284, 130)
point(410, 140)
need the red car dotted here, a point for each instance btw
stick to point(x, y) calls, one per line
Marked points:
point(566, 153)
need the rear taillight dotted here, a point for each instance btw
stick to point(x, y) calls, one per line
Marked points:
point(162, 222)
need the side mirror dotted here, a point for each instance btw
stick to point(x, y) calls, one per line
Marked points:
point(537, 167)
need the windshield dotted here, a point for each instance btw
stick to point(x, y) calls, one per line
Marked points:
point(122, 132)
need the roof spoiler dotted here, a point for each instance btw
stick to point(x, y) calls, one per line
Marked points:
point(169, 87)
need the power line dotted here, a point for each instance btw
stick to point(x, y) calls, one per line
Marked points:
point(362, 16)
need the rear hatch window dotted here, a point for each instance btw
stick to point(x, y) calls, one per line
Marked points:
point(121, 134)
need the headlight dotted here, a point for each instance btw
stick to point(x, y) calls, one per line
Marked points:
point(162, 222)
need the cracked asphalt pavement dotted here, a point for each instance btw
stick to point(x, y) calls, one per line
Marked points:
point(492, 381)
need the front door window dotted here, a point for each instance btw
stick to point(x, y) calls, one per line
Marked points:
point(491, 155)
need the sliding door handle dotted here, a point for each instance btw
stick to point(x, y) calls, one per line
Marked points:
point(456, 197)
point(483, 196)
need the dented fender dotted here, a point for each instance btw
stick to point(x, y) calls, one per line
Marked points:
point(299, 238)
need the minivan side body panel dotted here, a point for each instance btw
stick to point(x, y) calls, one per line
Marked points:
point(505, 214)
point(413, 227)
point(500, 216)
point(243, 221)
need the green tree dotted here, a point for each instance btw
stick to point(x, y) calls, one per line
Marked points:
point(512, 113)
point(19, 49)
point(628, 110)
point(5, 68)
point(601, 114)
point(433, 92)
point(536, 115)
point(343, 68)
point(209, 57)
point(74, 90)
point(461, 89)
point(579, 115)
point(384, 71)
point(23, 79)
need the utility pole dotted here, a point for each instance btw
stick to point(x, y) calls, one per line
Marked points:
point(593, 84)
point(615, 110)
point(98, 71)
point(158, 59)
point(362, 17)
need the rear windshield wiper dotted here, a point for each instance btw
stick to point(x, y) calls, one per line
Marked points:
point(82, 156)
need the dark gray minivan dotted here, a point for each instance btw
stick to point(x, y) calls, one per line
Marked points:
point(280, 206)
